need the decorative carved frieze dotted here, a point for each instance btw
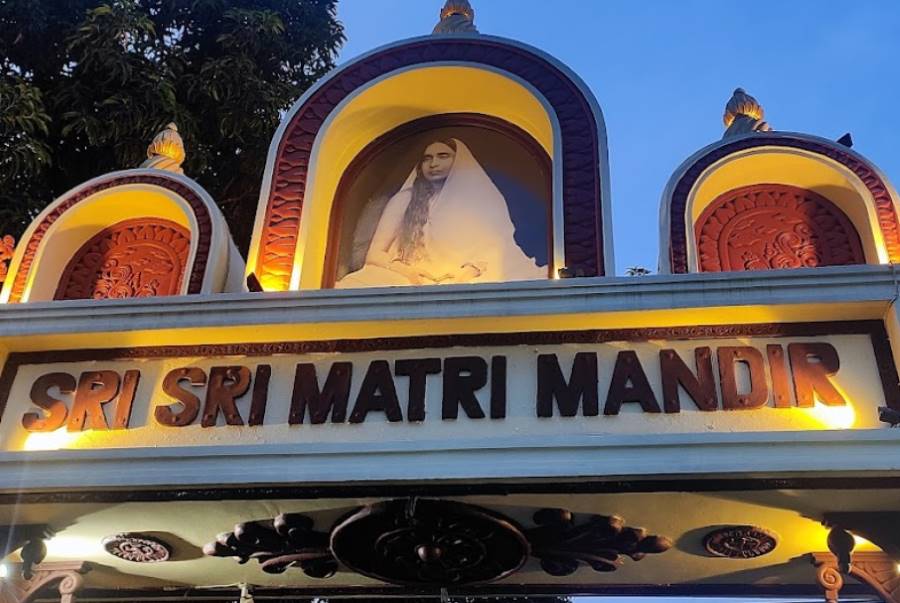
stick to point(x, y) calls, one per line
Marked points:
point(437, 543)
point(774, 226)
point(137, 258)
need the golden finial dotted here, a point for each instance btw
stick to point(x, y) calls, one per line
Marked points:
point(166, 152)
point(457, 16)
point(744, 114)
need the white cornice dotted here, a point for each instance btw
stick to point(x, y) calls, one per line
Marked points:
point(841, 285)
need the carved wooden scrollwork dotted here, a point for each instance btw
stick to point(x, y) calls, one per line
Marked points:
point(437, 543)
point(7, 248)
point(774, 226)
point(68, 577)
point(562, 543)
point(288, 540)
point(136, 258)
point(873, 568)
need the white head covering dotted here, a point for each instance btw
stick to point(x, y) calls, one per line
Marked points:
point(469, 223)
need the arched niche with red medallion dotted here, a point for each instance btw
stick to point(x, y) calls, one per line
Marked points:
point(777, 200)
point(144, 257)
point(130, 234)
point(431, 78)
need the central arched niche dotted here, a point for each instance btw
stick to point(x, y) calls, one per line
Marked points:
point(517, 164)
point(379, 92)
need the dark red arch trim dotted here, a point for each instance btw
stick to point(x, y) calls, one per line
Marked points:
point(204, 227)
point(583, 220)
point(884, 205)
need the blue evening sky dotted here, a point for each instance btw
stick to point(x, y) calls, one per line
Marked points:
point(662, 71)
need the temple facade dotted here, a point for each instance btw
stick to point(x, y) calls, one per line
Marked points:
point(425, 379)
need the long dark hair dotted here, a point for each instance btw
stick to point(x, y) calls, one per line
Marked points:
point(412, 229)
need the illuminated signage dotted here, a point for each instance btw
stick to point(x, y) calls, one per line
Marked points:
point(753, 378)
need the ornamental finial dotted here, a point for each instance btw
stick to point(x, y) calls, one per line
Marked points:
point(166, 152)
point(744, 114)
point(457, 16)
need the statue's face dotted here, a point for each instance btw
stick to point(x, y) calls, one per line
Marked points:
point(437, 162)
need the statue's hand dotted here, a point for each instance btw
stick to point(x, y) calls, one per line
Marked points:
point(415, 275)
point(467, 273)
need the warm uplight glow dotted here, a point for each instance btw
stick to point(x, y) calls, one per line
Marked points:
point(54, 440)
point(860, 541)
point(834, 417)
point(73, 547)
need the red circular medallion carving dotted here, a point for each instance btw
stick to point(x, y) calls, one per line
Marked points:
point(774, 226)
point(136, 258)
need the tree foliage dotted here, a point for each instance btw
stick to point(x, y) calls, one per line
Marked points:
point(86, 84)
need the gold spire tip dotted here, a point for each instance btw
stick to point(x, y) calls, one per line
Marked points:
point(457, 16)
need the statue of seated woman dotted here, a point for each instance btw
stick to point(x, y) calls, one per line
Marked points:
point(448, 224)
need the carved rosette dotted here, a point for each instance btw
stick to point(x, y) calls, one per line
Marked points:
point(7, 248)
point(740, 542)
point(138, 548)
point(136, 258)
point(437, 543)
point(774, 226)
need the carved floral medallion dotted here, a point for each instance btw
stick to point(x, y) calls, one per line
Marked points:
point(774, 226)
point(136, 258)
point(740, 542)
point(138, 548)
point(437, 543)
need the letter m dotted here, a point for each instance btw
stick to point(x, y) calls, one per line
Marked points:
point(582, 385)
point(330, 399)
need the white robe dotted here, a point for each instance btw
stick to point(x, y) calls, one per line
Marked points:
point(468, 224)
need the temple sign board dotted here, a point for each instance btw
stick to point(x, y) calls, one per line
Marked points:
point(755, 378)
